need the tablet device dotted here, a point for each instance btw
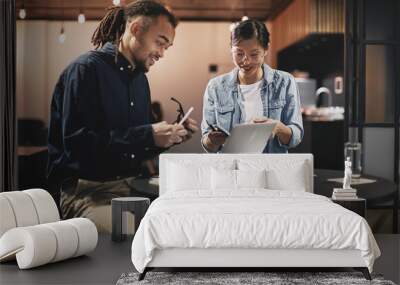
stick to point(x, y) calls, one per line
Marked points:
point(248, 138)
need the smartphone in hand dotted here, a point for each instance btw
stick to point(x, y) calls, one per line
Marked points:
point(186, 116)
point(216, 129)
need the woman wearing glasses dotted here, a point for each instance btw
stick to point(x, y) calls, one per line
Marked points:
point(252, 92)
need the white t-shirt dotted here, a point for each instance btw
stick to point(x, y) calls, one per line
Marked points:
point(253, 107)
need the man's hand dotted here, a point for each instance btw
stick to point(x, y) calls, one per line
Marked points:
point(165, 135)
point(191, 126)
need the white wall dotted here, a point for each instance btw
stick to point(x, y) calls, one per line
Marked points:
point(182, 73)
point(31, 70)
point(41, 59)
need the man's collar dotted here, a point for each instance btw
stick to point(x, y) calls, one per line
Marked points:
point(108, 48)
point(122, 62)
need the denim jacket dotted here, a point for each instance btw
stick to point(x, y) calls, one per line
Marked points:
point(223, 105)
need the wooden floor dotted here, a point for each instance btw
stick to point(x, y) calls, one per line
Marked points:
point(110, 260)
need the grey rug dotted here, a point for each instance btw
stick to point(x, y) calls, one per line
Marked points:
point(243, 278)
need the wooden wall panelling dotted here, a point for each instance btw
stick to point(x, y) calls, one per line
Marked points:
point(302, 18)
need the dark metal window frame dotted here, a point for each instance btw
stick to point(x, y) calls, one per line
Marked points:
point(355, 74)
point(8, 127)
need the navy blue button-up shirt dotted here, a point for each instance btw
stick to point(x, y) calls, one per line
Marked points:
point(100, 119)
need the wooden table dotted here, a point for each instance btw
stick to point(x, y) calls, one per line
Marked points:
point(29, 150)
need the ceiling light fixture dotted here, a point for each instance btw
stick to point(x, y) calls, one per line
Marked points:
point(81, 16)
point(62, 36)
point(116, 2)
point(22, 11)
point(245, 17)
point(22, 14)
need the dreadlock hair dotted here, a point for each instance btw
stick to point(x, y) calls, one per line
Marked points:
point(112, 26)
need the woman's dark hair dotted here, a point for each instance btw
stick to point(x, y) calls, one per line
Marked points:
point(249, 29)
point(112, 26)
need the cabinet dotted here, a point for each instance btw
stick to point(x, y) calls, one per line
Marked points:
point(303, 18)
point(357, 206)
point(324, 139)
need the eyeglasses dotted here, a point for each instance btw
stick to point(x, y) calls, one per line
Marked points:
point(180, 111)
point(253, 57)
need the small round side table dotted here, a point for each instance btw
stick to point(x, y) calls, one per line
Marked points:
point(136, 205)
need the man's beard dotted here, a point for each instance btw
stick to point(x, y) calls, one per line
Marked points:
point(140, 66)
point(140, 63)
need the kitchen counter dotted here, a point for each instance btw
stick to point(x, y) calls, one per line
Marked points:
point(325, 140)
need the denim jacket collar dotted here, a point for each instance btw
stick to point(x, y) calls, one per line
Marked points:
point(232, 80)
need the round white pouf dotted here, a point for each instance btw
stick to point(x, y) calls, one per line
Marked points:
point(37, 245)
point(23, 208)
point(87, 234)
point(7, 218)
point(67, 240)
point(33, 246)
point(46, 208)
point(31, 232)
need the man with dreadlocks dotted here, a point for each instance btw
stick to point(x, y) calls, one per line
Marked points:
point(100, 127)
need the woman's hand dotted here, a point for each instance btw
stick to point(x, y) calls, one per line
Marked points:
point(260, 120)
point(217, 138)
point(283, 132)
point(214, 140)
point(265, 120)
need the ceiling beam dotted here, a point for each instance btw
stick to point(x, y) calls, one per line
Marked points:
point(185, 10)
